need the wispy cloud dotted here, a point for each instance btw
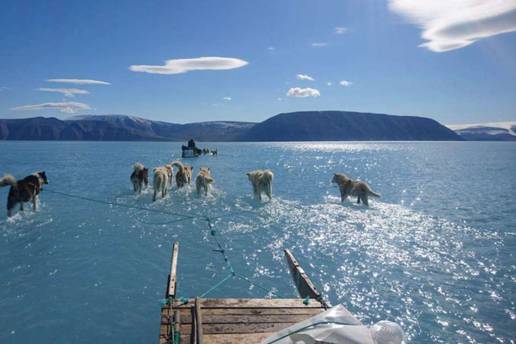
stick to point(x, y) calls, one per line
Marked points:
point(299, 92)
point(304, 77)
point(80, 81)
point(449, 25)
point(179, 66)
point(319, 44)
point(345, 83)
point(67, 92)
point(66, 107)
point(340, 30)
point(228, 99)
point(329, 83)
point(271, 48)
point(4, 88)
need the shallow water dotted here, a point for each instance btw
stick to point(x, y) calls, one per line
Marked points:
point(435, 253)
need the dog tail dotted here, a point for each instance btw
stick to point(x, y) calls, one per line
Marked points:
point(138, 166)
point(268, 176)
point(178, 164)
point(372, 193)
point(8, 180)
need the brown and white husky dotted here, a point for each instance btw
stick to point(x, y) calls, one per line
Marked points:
point(203, 180)
point(184, 173)
point(356, 188)
point(162, 177)
point(24, 190)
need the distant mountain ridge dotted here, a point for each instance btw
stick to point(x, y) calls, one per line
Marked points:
point(493, 131)
point(294, 126)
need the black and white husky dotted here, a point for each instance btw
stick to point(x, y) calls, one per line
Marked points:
point(24, 190)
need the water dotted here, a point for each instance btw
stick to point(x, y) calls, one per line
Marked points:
point(435, 253)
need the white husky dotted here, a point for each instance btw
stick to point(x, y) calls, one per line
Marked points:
point(162, 177)
point(261, 180)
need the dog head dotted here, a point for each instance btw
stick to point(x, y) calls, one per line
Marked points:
point(42, 177)
point(340, 179)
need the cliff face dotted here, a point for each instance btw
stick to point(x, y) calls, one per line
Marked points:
point(295, 126)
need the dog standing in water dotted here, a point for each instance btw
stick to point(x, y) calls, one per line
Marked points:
point(24, 190)
point(261, 180)
point(139, 177)
point(350, 187)
point(203, 180)
point(183, 175)
point(162, 177)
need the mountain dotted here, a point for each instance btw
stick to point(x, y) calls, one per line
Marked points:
point(347, 126)
point(117, 128)
point(494, 131)
point(295, 126)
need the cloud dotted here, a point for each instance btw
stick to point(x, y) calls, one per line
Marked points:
point(340, 30)
point(179, 66)
point(329, 83)
point(66, 107)
point(449, 25)
point(303, 92)
point(345, 83)
point(319, 44)
point(80, 81)
point(228, 99)
point(67, 92)
point(4, 88)
point(304, 77)
point(271, 48)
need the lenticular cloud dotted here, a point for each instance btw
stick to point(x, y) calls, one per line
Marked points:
point(178, 66)
point(454, 24)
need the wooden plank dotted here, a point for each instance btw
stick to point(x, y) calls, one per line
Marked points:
point(248, 338)
point(164, 333)
point(198, 322)
point(256, 311)
point(236, 328)
point(247, 319)
point(172, 276)
point(304, 285)
point(249, 303)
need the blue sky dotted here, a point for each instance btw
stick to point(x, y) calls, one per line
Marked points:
point(464, 72)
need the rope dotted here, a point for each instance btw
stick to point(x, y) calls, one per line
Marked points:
point(182, 217)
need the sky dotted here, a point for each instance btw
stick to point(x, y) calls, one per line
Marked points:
point(189, 61)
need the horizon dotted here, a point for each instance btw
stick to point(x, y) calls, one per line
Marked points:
point(154, 61)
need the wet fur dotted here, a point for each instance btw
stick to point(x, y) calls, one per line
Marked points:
point(261, 180)
point(183, 175)
point(203, 180)
point(162, 180)
point(139, 177)
point(356, 188)
point(24, 190)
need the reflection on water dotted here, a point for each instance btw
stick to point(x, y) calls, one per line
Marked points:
point(433, 254)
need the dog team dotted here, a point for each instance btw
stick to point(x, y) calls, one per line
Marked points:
point(28, 189)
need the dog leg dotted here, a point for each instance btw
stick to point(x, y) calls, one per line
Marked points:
point(365, 200)
point(358, 199)
point(21, 206)
point(35, 203)
point(154, 197)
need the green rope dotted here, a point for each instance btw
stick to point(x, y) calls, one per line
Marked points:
point(182, 217)
point(221, 282)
